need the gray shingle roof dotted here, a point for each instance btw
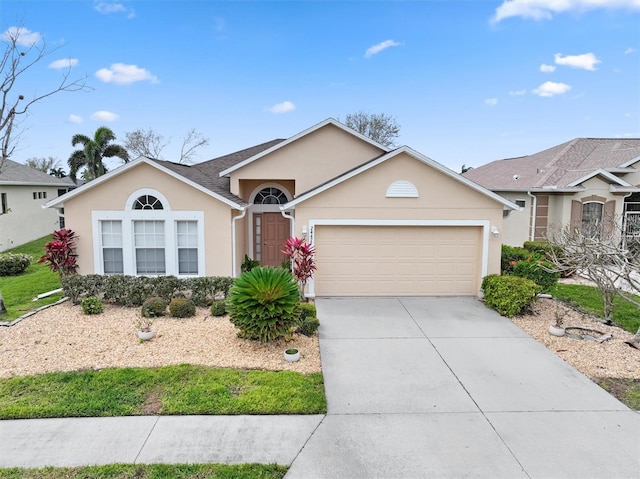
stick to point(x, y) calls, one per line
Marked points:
point(558, 166)
point(206, 174)
point(14, 173)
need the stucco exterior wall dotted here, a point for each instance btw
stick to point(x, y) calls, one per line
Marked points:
point(311, 160)
point(440, 198)
point(517, 225)
point(113, 195)
point(27, 220)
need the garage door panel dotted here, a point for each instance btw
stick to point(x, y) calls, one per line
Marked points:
point(381, 260)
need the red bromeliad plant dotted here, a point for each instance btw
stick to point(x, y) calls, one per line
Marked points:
point(59, 252)
point(303, 263)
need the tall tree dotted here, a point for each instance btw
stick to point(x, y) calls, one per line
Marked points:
point(93, 151)
point(149, 143)
point(43, 164)
point(23, 50)
point(381, 128)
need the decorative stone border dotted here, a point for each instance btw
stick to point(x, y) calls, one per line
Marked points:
point(31, 313)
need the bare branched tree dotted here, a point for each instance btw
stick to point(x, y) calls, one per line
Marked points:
point(381, 128)
point(43, 164)
point(143, 142)
point(149, 143)
point(22, 53)
point(605, 255)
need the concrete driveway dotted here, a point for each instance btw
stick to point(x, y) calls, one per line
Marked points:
point(444, 387)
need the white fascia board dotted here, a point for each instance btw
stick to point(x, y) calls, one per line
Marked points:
point(632, 161)
point(124, 168)
point(328, 121)
point(609, 176)
point(420, 157)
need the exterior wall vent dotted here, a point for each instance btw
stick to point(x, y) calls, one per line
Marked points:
point(402, 189)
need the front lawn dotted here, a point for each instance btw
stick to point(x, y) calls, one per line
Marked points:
point(153, 471)
point(589, 300)
point(170, 390)
point(19, 291)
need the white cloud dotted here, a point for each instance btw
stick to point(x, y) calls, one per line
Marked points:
point(491, 101)
point(75, 119)
point(545, 9)
point(550, 88)
point(547, 68)
point(517, 92)
point(103, 115)
point(586, 61)
point(63, 63)
point(379, 47)
point(284, 107)
point(107, 8)
point(630, 50)
point(22, 36)
point(122, 74)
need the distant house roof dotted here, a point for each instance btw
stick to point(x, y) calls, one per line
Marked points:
point(13, 173)
point(562, 167)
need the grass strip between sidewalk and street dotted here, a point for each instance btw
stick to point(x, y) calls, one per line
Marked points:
point(170, 390)
point(153, 471)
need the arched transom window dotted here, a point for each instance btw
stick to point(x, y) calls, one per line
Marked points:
point(147, 202)
point(270, 196)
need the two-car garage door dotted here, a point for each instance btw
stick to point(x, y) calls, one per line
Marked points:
point(397, 260)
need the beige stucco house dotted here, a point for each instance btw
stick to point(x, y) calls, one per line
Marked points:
point(383, 222)
point(23, 192)
point(577, 183)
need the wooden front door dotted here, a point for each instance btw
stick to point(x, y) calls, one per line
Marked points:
point(275, 232)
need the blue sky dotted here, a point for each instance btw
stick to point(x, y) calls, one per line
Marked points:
point(468, 81)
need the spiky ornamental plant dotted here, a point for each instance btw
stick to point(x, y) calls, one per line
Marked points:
point(59, 252)
point(263, 303)
point(303, 263)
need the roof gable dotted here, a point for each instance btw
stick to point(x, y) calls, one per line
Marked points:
point(14, 173)
point(308, 131)
point(389, 156)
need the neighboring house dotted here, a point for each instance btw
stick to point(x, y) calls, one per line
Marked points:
point(580, 183)
point(383, 222)
point(23, 192)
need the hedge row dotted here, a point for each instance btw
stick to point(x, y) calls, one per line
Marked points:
point(134, 290)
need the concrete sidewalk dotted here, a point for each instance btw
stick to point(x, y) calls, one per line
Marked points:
point(416, 387)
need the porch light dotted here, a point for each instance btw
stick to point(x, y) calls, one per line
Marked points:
point(495, 232)
point(304, 231)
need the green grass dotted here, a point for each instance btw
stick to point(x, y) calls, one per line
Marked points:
point(170, 390)
point(154, 471)
point(626, 390)
point(589, 300)
point(19, 291)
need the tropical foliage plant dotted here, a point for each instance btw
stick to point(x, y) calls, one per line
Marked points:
point(59, 252)
point(263, 303)
point(303, 263)
point(93, 151)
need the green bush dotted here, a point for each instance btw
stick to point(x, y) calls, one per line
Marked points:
point(154, 307)
point(248, 264)
point(12, 264)
point(511, 255)
point(263, 303)
point(307, 321)
point(509, 295)
point(92, 305)
point(182, 308)
point(219, 308)
point(540, 272)
point(206, 290)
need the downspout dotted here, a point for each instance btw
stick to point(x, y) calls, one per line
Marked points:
point(234, 262)
point(534, 209)
point(292, 228)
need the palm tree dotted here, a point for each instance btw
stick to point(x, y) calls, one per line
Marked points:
point(93, 151)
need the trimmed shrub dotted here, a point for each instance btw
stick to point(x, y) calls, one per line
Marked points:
point(12, 264)
point(92, 305)
point(308, 323)
point(511, 255)
point(542, 248)
point(263, 303)
point(182, 308)
point(508, 295)
point(219, 308)
point(154, 307)
point(540, 272)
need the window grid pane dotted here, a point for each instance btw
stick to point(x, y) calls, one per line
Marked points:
point(150, 261)
point(113, 262)
point(188, 261)
point(148, 237)
point(187, 240)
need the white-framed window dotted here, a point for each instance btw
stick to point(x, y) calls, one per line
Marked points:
point(148, 238)
point(592, 216)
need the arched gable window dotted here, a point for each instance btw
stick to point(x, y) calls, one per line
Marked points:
point(147, 202)
point(270, 196)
